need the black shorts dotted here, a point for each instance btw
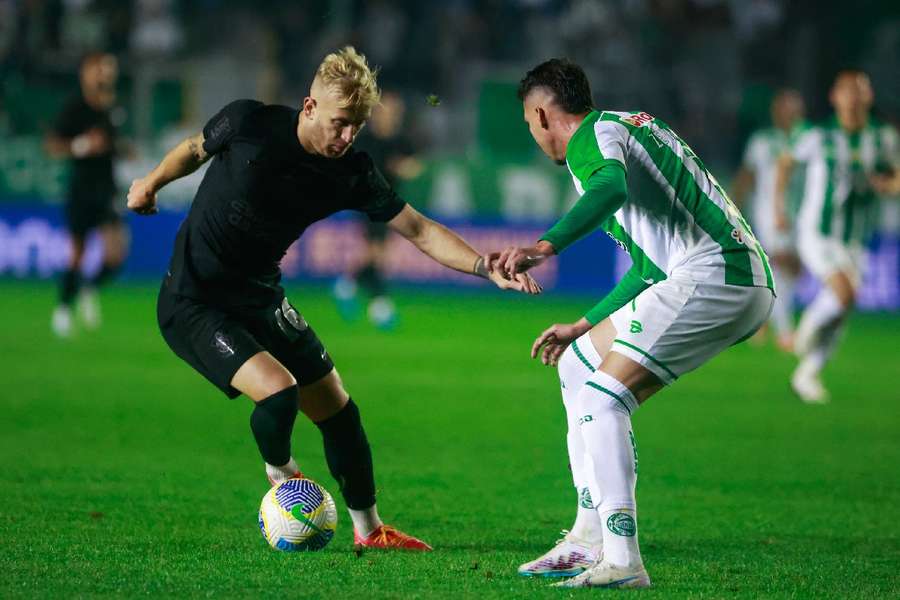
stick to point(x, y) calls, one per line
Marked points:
point(216, 342)
point(83, 215)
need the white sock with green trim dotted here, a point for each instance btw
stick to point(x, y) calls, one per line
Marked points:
point(576, 364)
point(605, 406)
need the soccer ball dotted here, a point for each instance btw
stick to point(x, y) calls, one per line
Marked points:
point(297, 514)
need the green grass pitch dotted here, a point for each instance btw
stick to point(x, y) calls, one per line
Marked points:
point(122, 472)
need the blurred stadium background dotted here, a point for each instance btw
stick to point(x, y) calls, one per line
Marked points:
point(123, 473)
point(707, 67)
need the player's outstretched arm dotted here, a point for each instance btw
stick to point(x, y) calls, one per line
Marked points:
point(447, 248)
point(556, 338)
point(604, 194)
point(183, 159)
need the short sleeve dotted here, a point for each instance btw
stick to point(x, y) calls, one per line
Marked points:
point(592, 148)
point(377, 199)
point(219, 130)
point(68, 124)
point(807, 145)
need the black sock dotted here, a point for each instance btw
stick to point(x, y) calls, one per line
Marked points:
point(272, 422)
point(106, 273)
point(68, 286)
point(371, 280)
point(349, 456)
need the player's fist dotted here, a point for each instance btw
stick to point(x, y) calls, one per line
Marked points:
point(142, 197)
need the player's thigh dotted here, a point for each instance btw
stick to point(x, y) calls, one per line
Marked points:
point(287, 335)
point(260, 376)
point(677, 325)
point(216, 345)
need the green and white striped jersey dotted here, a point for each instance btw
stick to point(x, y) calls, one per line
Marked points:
point(761, 155)
point(676, 215)
point(838, 200)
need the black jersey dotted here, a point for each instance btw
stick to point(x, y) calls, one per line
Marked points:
point(90, 177)
point(261, 191)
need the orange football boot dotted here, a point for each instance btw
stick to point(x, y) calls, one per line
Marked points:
point(390, 538)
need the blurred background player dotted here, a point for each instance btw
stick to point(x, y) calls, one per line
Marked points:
point(850, 159)
point(757, 173)
point(85, 135)
point(392, 150)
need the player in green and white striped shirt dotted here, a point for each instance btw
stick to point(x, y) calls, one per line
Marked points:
point(757, 173)
point(700, 283)
point(849, 161)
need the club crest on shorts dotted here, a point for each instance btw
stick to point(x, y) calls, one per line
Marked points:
point(223, 343)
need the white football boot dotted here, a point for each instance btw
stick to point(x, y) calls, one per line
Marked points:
point(569, 557)
point(806, 384)
point(61, 322)
point(604, 575)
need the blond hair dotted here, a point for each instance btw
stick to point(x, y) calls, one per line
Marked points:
point(347, 72)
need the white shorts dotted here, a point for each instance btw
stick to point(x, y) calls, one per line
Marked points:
point(676, 325)
point(825, 256)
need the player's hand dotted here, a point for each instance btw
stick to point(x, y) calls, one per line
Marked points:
point(515, 260)
point(555, 339)
point(142, 197)
point(521, 282)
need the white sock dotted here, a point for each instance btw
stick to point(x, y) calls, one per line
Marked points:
point(783, 312)
point(578, 362)
point(825, 310)
point(824, 346)
point(605, 406)
point(365, 521)
point(282, 473)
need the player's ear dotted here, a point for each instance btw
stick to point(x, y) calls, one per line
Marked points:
point(542, 117)
point(309, 106)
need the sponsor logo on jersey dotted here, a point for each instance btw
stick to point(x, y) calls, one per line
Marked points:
point(738, 236)
point(638, 119)
point(585, 419)
point(621, 524)
point(636, 327)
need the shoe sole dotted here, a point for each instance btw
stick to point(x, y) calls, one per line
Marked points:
point(632, 582)
point(553, 574)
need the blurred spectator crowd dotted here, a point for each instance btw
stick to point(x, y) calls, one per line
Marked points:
point(708, 67)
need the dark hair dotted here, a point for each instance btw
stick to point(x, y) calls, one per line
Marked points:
point(565, 80)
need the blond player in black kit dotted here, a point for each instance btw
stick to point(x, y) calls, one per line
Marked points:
point(275, 171)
